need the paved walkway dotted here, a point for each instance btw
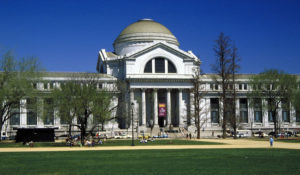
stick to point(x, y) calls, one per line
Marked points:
point(228, 143)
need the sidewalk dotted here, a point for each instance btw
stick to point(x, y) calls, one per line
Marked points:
point(228, 144)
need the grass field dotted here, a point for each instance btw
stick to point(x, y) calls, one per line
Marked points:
point(113, 143)
point(204, 161)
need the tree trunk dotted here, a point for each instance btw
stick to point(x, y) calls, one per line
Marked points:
point(1, 126)
point(275, 123)
point(70, 130)
point(224, 118)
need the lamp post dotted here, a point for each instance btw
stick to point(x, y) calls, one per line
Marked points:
point(132, 141)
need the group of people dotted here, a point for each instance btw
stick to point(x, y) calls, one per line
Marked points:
point(87, 142)
point(189, 136)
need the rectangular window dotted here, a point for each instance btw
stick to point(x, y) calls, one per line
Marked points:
point(214, 105)
point(45, 85)
point(51, 85)
point(285, 110)
point(244, 116)
point(159, 65)
point(49, 112)
point(211, 86)
point(286, 116)
point(243, 110)
point(245, 86)
point(258, 116)
point(31, 118)
point(15, 116)
point(216, 87)
point(257, 110)
point(271, 116)
point(240, 86)
point(63, 121)
point(31, 111)
point(297, 116)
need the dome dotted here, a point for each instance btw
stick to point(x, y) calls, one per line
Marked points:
point(145, 26)
point(143, 31)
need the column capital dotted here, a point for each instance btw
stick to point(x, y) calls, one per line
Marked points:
point(143, 89)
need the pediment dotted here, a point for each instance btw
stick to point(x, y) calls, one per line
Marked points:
point(166, 47)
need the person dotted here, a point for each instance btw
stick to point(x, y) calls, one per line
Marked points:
point(271, 141)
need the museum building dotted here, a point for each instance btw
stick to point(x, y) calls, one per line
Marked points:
point(159, 82)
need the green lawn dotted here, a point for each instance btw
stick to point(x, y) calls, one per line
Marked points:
point(114, 143)
point(202, 161)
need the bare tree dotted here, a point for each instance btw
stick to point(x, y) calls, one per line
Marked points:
point(234, 69)
point(223, 69)
point(198, 93)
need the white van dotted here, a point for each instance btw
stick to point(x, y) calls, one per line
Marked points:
point(243, 133)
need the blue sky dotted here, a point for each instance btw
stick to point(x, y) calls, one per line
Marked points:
point(67, 35)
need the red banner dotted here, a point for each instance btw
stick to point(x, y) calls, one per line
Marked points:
point(162, 111)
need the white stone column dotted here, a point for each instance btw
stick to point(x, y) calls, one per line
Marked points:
point(292, 116)
point(39, 120)
point(166, 66)
point(143, 107)
point(208, 112)
point(265, 117)
point(181, 124)
point(153, 65)
point(23, 113)
point(169, 121)
point(237, 109)
point(250, 113)
point(155, 120)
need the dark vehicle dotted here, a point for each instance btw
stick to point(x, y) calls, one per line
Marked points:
point(260, 134)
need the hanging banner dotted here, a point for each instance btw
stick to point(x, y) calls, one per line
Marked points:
point(162, 111)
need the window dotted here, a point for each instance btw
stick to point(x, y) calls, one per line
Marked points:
point(245, 87)
point(257, 110)
point(148, 68)
point(31, 112)
point(285, 111)
point(297, 116)
point(48, 108)
point(243, 110)
point(34, 85)
point(171, 67)
point(214, 105)
point(240, 86)
point(216, 87)
point(45, 85)
point(211, 86)
point(271, 116)
point(15, 115)
point(258, 116)
point(285, 116)
point(51, 85)
point(160, 66)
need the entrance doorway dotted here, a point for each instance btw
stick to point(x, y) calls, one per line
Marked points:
point(162, 107)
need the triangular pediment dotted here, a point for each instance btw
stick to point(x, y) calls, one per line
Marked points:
point(173, 50)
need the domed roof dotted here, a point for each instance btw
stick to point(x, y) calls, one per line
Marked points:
point(145, 30)
point(145, 26)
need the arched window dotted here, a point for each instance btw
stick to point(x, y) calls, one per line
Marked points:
point(161, 65)
point(171, 67)
point(148, 67)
